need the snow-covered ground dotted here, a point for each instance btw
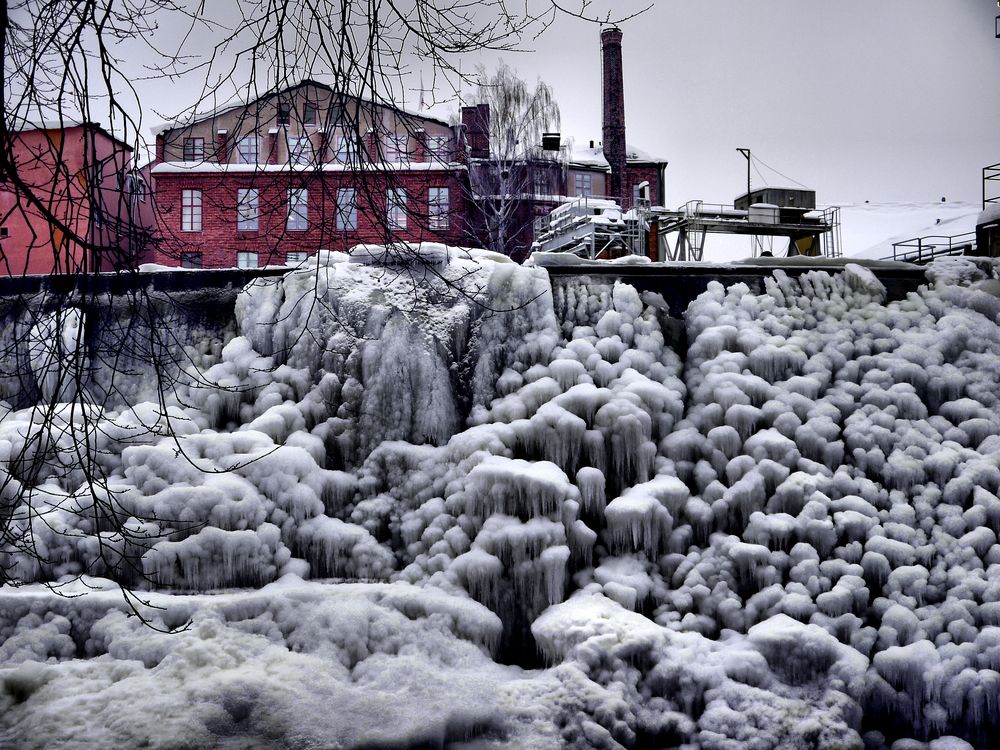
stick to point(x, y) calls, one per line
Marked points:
point(869, 229)
point(429, 499)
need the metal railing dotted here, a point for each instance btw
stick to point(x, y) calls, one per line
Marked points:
point(571, 227)
point(921, 249)
point(990, 174)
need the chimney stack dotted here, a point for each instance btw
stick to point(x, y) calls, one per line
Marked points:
point(476, 123)
point(614, 109)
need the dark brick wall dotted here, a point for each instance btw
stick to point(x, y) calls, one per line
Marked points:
point(614, 110)
point(634, 175)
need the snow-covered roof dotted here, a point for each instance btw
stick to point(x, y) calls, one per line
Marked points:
point(209, 108)
point(202, 167)
point(990, 213)
point(65, 124)
point(758, 188)
point(585, 155)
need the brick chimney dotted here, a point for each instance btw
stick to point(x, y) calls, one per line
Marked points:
point(614, 109)
point(476, 123)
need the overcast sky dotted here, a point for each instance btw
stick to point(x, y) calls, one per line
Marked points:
point(880, 100)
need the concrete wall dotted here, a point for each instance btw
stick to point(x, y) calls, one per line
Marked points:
point(140, 330)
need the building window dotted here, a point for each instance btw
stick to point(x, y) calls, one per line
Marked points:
point(248, 150)
point(247, 210)
point(135, 188)
point(246, 260)
point(298, 209)
point(300, 150)
point(4, 233)
point(396, 208)
point(396, 148)
point(346, 148)
point(640, 193)
point(194, 149)
point(191, 211)
point(540, 180)
point(295, 257)
point(284, 113)
point(347, 210)
point(437, 148)
point(437, 207)
point(584, 185)
point(309, 113)
point(191, 260)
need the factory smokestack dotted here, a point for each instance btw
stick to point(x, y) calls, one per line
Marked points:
point(614, 109)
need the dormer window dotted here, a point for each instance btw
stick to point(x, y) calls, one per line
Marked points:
point(194, 149)
point(437, 147)
point(300, 150)
point(248, 150)
point(396, 148)
point(347, 149)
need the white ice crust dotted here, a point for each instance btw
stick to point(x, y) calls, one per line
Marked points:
point(778, 529)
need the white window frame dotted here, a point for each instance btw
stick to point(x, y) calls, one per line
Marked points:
point(247, 210)
point(637, 190)
point(190, 210)
point(300, 149)
point(192, 260)
point(396, 148)
point(347, 148)
point(396, 208)
point(298, 210)
point(247, 259)
point(438, 208)
point(295, 257)
point(135, 187)
point(347, 210)
point(244, 153)
point(437, 147)
point(583, 183)
point(197, 149)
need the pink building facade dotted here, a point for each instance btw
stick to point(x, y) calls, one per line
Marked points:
point(71, 202)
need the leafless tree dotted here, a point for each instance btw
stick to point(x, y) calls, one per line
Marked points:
point(517, 167)
point(79, 62)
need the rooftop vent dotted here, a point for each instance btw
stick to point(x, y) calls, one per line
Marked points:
point(551, 141)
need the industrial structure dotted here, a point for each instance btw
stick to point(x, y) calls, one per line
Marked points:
point(810, 231)
point(637, 222)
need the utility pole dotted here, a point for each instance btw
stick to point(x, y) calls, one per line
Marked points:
point(746, 153)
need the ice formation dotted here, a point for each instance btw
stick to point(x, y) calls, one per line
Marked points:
point(778, 529)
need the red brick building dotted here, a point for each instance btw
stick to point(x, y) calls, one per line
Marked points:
point(308, 168)
point(71, 202)
point(303, 169)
